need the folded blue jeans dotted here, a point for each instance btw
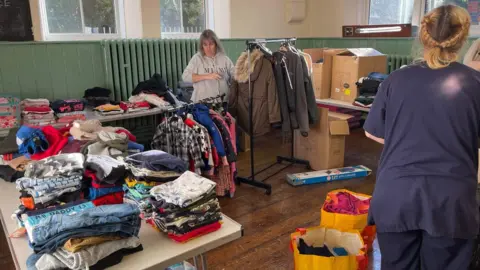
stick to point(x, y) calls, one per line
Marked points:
point(101, 215)
point(127, 228)
point(99, 192)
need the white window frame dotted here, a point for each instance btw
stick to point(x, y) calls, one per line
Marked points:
point(418, 13)
point(119, 21)
point(209, 23)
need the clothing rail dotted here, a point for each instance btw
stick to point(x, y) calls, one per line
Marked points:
point(292, 160)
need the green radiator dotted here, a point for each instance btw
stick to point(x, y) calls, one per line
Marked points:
point(394, 62)
point(128, 62)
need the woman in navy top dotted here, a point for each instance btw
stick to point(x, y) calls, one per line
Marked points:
point(428, 117)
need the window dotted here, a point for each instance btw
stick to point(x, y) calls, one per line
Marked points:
point(184, 18)
point(391, 11)
point(411, 11)
point(80, 19)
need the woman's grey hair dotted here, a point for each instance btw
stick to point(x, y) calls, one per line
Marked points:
point(210, 35)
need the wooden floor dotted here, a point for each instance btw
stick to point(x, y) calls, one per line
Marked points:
point(269, 220)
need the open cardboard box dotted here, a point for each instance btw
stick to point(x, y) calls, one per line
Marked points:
point(349, 66)
point(324, 147)
point(321, 72)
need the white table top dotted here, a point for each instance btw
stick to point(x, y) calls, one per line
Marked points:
point(159, 252)
point(341, 104)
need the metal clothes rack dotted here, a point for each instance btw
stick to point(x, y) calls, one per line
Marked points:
point(292, 160)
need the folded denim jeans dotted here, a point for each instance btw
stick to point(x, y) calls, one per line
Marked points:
point(102, 215)
point(124, 229)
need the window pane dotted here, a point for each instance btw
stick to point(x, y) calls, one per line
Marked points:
point(193, 16)
point(473, 7)
point(99, 16)
point(63, 16)
point(182, 16)
point(391, 11)
point(171, 15)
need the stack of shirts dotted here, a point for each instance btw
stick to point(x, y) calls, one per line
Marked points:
point(185, 208)
point(130, 107)
point(149, 169)
point(69, 110)
point(106, 177)
point(9, 113)
point(82, 236)
point(368, 88)
point(37, 112)
point(108, 109)
point(51, 181)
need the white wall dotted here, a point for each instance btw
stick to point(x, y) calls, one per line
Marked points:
point(263, 19)
point(222, 18)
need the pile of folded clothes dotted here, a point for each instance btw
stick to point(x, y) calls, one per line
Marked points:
point(9, 113)
point(147, 170)
point(69, 110)
point(90, 137)
point(97, 96)
point(185, 208)
point(82, 236)
point(108, 109)
point(368, 88)
point(130, 107)
point(105, 179)
point(51, 181)
point(37, 112)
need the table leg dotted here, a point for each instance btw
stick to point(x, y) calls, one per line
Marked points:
point(195, 262)
point(204, 261)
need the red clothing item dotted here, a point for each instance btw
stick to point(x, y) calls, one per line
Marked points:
point(37, 109)
point(346, 203)
point(195, 233)
point(130, 136)
point(55, 141)
point(112, 198)
point(91, 174)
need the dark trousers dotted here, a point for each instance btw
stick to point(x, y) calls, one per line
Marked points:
point(414, 250)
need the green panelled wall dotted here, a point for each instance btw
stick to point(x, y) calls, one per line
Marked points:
point(65, 69)
point(59, 70)
point(50, 70)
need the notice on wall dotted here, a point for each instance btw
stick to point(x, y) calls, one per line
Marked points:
point(15, 20)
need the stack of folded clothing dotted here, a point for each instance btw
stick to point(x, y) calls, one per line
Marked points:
point(50, 181)
point(368, 88)
point(185, 208)
point(108, 109)
point(37, 112)
point(9, 113)
point(106, 176)
point(107, 143)
point(130, 107)
point(147, 170)
point(97, 96)
point(82, 236)
point(153, 99)
point(69, 110)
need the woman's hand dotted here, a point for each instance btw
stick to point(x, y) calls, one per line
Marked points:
point(203, 77)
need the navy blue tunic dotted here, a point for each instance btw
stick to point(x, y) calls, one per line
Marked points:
point(427, 176)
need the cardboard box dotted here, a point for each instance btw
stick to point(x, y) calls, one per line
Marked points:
point(325, 145)
point(322, 72)
point(323, 176)
point(349, 66)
